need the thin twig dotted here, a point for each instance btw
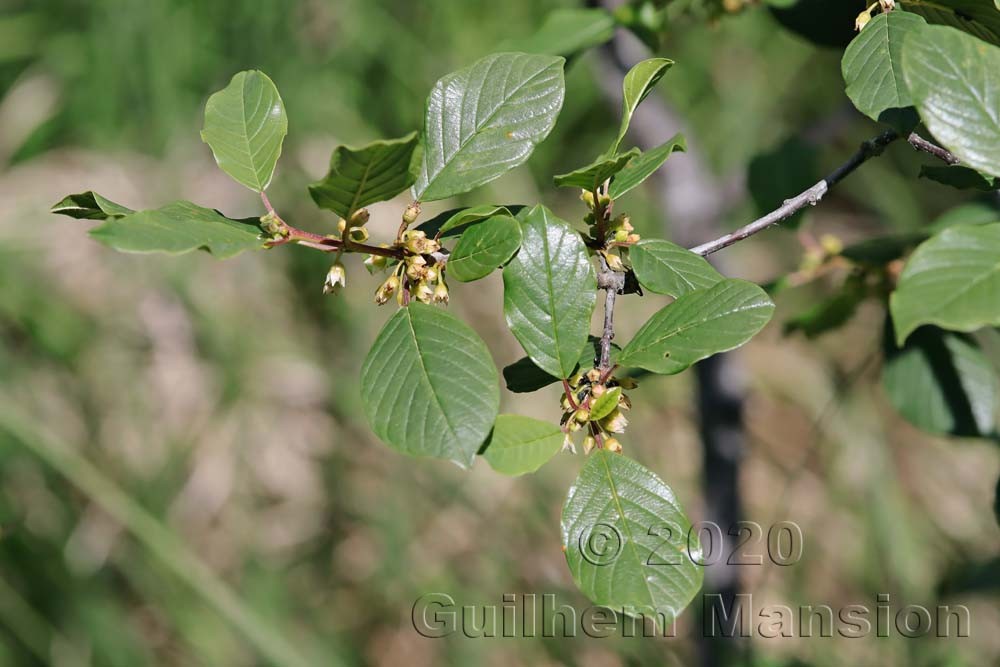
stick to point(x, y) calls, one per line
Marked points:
point(812, 196)
point(613, 283)
point(940, 153)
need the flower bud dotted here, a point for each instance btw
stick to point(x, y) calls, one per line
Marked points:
point(862, 20)
point(441, 293)
point(588, 444)
point(597, 390)
point(423, 292)
point(588, 198)
point(594, 375)
point(360, 217)
point(415, 241)
point(613, 446)
point(336, 278)
point(564, 403)
point(411, 213)
point(614, 422)
point(624, 402)
point(574, 426)
point(432, 274)
point(376, 263)
point(582, 415)
point(576, 380)
point(385, 291)
point(614, 263)
point(633, 238)
point(621, 236)
point(342, 225)
point(270, 225)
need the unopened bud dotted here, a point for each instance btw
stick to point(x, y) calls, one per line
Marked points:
point(564, 403)
point(360, 217)
point(862, 20)
point(614, 422)
point(582, 415)
point(594, 375)
point(613, 446)
point(376, 263)
point(576, 380)
point(270, 225)
point(336, 278)
point(342, 225)
point(588, 198)
point(385, 291)
point(441, 293)
point(423, 292)
point(597, 390)
point(411, 213)
point(621, 235)
point(588, 444)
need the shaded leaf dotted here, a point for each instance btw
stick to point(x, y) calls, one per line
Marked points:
point(521, 445)
point(566, 32)
point(486, 119)
point(178, 228)
point(951, 280)
point(524, 377)
point(697, 325)
point(639, 168)
point(872, 64)
point(666, 268)
point(245, 124)
point(90, 206)
point(445, 223)
point(958, 176)
point(626, 539)
point(429, 385)
point(941, 382)
point(368, 174)
point(953, 80)
point(484, 247)
point(976, 17)
point(550, 291)
point(595, 173)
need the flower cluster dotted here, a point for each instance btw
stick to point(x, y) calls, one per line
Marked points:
point(596, 403)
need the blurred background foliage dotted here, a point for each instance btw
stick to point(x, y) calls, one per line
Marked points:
point(183, 463)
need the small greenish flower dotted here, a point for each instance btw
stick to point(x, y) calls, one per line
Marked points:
point(336, 278)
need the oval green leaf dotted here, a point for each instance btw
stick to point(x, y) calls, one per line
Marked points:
point(245, 124)
point(667, 268)
point(941, 382)
point(595, 173)
point(486, 119)
point(90, 206)
point(550, 291)
point(521, 445)
point(605, 403)
point(951, 280)
point(429, 385)
point(644, 165)
point(372, 173)
point(628, 543)
point(697, 325)
point(178, 228)
point(953, 80)
point(638, 83)
point(873, 64)
point(484, 247)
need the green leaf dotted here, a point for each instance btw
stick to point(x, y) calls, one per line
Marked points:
point(959, 177)
point(872, 65)
point(645, 165)
point(666, 268)
point(941, 382)
point(549, 293)
point(976, 17)
point(486, 119)
point(366, 175)
point(566, 32)
point(697, 325)
point(951, 280)
point(605, 403)
point(429, 385)
point(90, 206)
point(972, 213)
point(954, 83)
point(637, 85)
point(521, 445)
point(524, 377)
point(445, 223)
point(178, 228)
point(245, 124)
point(595, 173)
point(483, 247)
point(628, 544)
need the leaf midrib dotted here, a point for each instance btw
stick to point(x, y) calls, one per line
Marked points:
point(625, 524)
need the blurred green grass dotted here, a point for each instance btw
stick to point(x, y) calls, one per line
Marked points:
point(210, 410)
